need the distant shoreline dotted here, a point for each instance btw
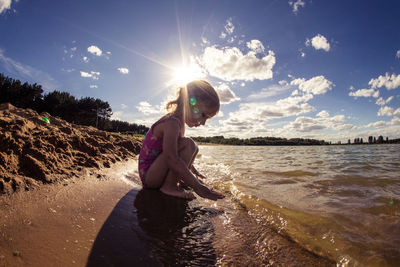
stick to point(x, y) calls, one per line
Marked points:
point(333, 144)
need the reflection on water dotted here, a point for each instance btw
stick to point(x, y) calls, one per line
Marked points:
point(178, 231)
point(338, 201)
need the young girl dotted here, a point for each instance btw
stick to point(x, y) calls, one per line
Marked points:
point(166, 158)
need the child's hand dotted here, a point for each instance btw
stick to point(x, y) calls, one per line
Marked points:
point(208, 193)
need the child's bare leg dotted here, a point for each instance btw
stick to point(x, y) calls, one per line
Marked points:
point(159, 175)
point(187, 152)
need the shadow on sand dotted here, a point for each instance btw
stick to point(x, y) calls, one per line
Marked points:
point(149, 228)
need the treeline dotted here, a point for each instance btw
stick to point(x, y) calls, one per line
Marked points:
point(374, 140)
point(85, 111)
point(260, 141)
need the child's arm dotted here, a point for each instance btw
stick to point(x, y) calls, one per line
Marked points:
point(196, 172)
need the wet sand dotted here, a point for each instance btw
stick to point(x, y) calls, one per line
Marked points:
point(112, 222)
point(63, 224)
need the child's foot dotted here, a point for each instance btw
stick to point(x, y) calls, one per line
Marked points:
point(205, 192)
point(178, 192)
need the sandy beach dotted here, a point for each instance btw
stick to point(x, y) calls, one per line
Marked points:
point(71, 196)
point(83, 222)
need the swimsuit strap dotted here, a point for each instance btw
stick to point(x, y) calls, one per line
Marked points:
point(167, 118)
point(175, 118)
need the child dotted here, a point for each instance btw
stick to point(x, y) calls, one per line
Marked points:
point(166, 158)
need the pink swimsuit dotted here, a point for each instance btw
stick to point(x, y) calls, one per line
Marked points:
point(151, 148)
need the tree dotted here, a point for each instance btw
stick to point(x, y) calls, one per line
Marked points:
point(20, 95)
point(87, 111)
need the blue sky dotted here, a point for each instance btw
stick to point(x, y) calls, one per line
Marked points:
point(310, 69)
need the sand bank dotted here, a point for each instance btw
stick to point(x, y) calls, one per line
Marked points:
point(34, 152)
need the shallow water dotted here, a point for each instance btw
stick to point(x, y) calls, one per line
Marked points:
point(340, 202)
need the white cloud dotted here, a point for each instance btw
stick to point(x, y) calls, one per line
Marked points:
point(93, 74)
point(365, 93)
point(351, 87)
point(305, 124)
point(228, 30)
point(316, 85)
point(93, 86)
point(398, 54)
point(388, 111)
point(116, 115)
point(123, 70)
point(256, 46)
point(94, 50)
point(231, 39)
point(378, 124)
point(323, 114)
point(73, 49)
point(385, 111)
point(204, 41)
point(296, 5)
point(390, 82)
point(382, 102)
point(395, 121)
point(231, 64)
point(270, 91)
point(226, 95)
point(283, 82)
point(85, 59)
point(68, 70)
point(4, 5)
point(123, 106)
point(308, 124)
point(252, 117)
point(295, 92)
point(319, 42)
point(229, 27)
point(147, 108)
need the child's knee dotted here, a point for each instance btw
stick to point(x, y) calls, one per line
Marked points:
point(188, 143)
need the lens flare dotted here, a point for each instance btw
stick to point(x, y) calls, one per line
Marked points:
point(192, 101)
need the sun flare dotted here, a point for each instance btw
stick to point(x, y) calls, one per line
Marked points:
point(187, 73)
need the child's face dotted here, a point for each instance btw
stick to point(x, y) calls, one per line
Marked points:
point(199, 114)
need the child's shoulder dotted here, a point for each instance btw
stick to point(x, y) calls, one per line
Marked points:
point(159, 126)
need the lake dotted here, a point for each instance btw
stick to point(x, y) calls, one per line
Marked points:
point(340, 202)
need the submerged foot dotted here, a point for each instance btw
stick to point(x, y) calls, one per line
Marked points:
point(178, 192)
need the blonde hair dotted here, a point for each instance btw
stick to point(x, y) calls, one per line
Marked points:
point(204, 93)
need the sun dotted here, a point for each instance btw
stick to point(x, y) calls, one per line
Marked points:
point(186, 73)
point(183, 75)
